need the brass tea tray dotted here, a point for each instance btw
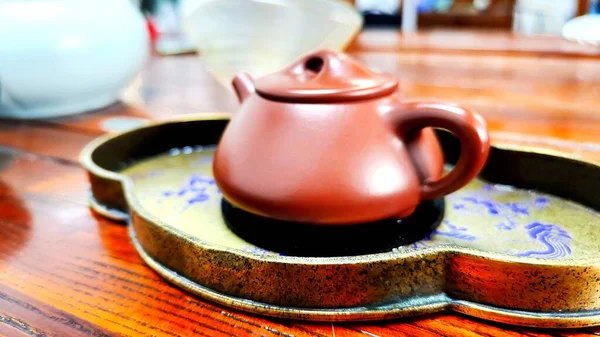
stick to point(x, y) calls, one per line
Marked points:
point(517, 245)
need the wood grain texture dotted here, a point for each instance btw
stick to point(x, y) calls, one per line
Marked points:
point(473, 41)
point(67, 272)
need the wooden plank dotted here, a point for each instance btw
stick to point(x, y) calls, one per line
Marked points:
point(30, 317)
point(470, 41)
point(168, 87)
point(42, 140)
point(550, 96)
point(82, 267)
point(58, 256)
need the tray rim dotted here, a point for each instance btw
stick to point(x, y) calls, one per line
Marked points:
point(560, 320)
point(91, 166)
point(571, 319)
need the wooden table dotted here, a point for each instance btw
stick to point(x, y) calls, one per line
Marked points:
point(66, 272)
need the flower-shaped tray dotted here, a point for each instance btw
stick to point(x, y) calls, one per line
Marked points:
point(517, 245)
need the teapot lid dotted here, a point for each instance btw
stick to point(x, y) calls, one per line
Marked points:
point(323, 77)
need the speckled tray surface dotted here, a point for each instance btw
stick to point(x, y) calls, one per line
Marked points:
point(517, 245)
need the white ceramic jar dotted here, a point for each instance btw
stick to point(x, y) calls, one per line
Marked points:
point(60, 57)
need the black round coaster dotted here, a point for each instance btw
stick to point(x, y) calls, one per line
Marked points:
point(305, 240)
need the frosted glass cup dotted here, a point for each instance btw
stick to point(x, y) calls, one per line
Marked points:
point(263, 36)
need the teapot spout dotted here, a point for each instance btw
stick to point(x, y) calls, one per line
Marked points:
point(243, 84)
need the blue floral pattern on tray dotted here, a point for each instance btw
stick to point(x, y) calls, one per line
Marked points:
point(197, 189)
point(510, 216)
point(556, 240)
point(515, 224)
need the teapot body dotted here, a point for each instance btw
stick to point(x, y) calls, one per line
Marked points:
point(326, 141)
point(334, 163)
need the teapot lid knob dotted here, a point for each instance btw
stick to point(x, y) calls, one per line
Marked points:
point(322, 77)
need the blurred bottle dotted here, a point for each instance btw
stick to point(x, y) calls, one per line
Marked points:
point(409, 16)
point(594, 7)
point(166, 23)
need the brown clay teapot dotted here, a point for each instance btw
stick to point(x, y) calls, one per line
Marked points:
point(325, 141)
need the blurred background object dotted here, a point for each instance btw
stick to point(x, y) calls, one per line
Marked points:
point(594, 7)
point(380, 13)
point(409, 16)
point(584, 29)
point(478, 14)
point(165, 14)
point(67, 56)
point(542, 16)
point(91, 49)
point(262, 36)
point(523, 17)
point(165, 19)
point(527, 17)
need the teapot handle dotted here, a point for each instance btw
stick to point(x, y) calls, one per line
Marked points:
point(470, 128)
